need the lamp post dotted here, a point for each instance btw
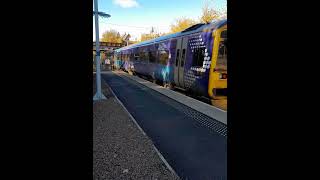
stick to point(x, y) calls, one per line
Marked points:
point(98, 95)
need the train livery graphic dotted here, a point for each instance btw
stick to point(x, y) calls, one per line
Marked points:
point(194, 59)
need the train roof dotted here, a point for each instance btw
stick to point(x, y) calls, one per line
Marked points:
point(193, 29)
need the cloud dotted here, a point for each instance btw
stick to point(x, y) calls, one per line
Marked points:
point(126, 3)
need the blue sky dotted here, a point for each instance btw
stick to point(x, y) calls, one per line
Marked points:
point(138, 16)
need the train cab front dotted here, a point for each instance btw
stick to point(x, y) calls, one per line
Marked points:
point(219, 85)
point(217, 88)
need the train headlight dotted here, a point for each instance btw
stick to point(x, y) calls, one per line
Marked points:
point(223, 76)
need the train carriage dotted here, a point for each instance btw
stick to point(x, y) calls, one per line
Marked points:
point(194, 60)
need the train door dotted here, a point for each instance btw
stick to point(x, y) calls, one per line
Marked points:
point(181, 52)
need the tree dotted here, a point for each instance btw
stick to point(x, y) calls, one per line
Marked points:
point(181, 24)
point(146, 36)
point(208, 14)
point(119, 40)
point(151, 35)
point(111, 36)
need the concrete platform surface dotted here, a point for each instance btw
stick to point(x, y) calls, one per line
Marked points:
point(195, 104)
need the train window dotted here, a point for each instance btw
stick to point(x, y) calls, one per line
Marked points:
point(224, 34)
point(183, 57)
point(163, 57)
point(131, 56)
point(136, 57)
point(198, 56)
point(222, 56)
point(144, 56)
point(177, 57)
point(152, 56)
point(141, 56)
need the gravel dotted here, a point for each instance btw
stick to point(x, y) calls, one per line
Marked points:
point(120, 150)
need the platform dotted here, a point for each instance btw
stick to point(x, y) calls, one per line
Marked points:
point(194, 144)
point(209, 110)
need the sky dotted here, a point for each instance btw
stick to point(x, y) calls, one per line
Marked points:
point(138, 16)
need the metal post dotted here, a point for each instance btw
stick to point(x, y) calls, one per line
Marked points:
point(98, 95)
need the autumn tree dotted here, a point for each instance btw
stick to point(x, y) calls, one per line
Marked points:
point(181, 24)
point(208, 14)
point(151, 35)
point(146, 36)
point(111, 36)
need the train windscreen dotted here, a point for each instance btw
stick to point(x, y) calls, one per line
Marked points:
point(222, 54)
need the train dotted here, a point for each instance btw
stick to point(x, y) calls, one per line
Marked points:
point(194, 60)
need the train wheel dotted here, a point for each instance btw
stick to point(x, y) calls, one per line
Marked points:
point(169, 86)
point(165, 85)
